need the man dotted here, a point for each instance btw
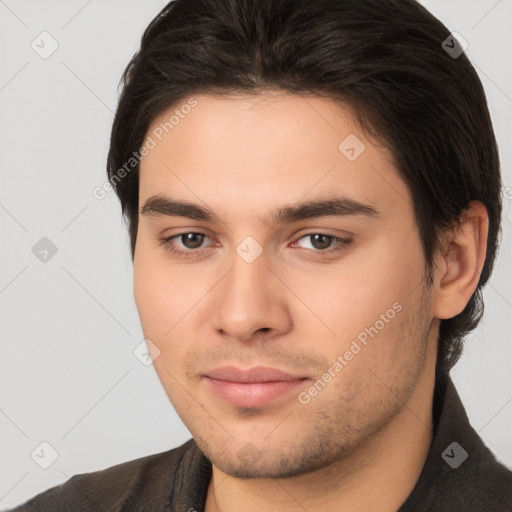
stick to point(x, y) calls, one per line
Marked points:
point(313, 197)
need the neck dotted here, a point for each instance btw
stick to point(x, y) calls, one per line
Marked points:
point(378, 475)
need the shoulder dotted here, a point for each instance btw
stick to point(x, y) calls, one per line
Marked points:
point(460, 472)
point(463, 470)
point(481, 482)
point(110, 488)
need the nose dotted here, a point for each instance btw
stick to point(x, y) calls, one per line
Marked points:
point(251, 300)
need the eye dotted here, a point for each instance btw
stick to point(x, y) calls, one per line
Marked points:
point(326, 244)
point(190, 244)
point(191, 241)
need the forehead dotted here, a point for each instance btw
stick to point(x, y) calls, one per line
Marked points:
point(258, 149)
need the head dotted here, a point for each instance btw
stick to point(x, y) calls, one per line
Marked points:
point(251, 108)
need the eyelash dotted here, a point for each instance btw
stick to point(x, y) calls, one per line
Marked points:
point(191, 253)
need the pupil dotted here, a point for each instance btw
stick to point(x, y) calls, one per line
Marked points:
point(193, 240)
point(326, 239)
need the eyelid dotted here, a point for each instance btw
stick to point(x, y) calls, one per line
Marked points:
point(340, 243)
point(166, 242)
point(322, 233)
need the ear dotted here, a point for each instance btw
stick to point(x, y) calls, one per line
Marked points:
point(459, 262)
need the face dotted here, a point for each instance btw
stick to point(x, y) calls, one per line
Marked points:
point(285, 334)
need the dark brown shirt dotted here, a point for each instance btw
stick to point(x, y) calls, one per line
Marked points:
point(460, 475)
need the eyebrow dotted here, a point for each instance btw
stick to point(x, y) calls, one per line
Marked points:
point(330, 206)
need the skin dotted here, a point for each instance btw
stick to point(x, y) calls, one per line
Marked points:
point(360, 443)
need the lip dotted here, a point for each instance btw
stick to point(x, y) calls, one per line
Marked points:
point(255, 387)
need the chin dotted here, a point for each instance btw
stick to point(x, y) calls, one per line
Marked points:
point(250, 462)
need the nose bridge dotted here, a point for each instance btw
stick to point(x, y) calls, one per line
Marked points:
point(247, 282)
point(249, 298)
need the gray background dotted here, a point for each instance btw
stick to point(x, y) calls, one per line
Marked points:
point(69, 325)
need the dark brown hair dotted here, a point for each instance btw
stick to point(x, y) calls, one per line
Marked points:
point(382, 58)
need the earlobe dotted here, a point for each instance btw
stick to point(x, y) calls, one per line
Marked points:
point(460, 261)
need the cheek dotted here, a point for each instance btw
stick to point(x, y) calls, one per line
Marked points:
point(159, 289)
point(350, 298)
point(155, 299)
point(168, 300)
point(379, 361)
point(374, 306)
